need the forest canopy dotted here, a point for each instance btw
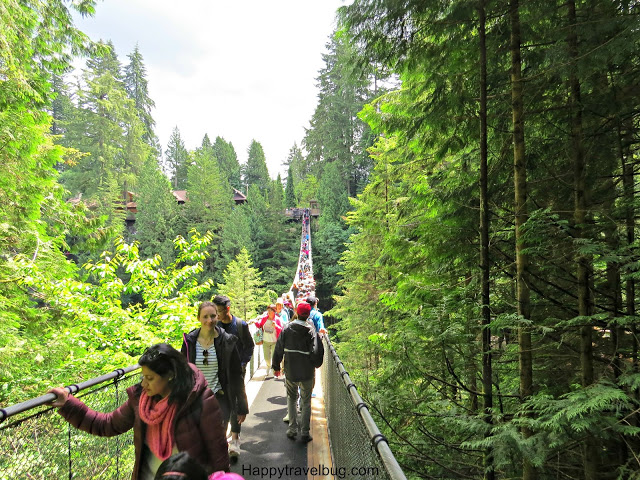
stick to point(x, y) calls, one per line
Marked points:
point(476, 252)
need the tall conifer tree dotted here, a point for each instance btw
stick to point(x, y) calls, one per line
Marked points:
point(255, 171)
point(228, 162)
point(176, 159)
point(244, 286)
point(136, 83)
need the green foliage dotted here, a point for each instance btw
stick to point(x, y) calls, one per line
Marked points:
point(136, 84)
point(255, 172)
point(228, 163)
point(125, 304)
point(156, 213)
point(289, 191)
point(337, 135)
point(306, 190)
point(244, 286)
point(176, 160)
point(332, 195)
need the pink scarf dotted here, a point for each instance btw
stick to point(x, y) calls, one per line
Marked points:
point(159, 419)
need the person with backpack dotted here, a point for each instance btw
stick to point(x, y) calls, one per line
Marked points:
point(315, 316)
point(171, 410)
point(303, 352)
point(214, 352)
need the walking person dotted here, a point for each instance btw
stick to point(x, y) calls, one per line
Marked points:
point(315, 316)
point(171, 410)
point(215, 353)
point(271, 326)
point(239, 328)
point(300, 346)
point(282, 311)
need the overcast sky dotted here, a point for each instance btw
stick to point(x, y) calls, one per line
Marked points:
point(239, 69)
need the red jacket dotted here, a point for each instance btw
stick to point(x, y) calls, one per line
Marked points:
point(276, 321)
point(202, 437)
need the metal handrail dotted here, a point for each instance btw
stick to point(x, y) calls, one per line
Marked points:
point(378, 440)
point(50, 397)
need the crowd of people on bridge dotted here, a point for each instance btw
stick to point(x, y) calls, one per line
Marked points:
point(188, 399)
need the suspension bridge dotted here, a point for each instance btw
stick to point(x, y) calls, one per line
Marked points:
point(36, 443)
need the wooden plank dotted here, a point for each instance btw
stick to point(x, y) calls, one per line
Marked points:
point(319, 450)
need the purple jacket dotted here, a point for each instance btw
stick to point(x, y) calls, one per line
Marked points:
point(202, 437)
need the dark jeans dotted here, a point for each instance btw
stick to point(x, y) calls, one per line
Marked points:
point(229, 413)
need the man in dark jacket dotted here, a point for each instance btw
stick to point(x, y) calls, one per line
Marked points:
point(233, 325)
point(295, 344)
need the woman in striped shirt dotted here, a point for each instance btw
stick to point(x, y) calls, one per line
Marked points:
point(215, 354)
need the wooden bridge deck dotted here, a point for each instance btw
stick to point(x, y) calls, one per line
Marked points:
point(266, 452)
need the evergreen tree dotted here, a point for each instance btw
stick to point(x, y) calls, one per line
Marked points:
point(228, 162)
point(206, 143)
point(135, 81)
point(256, 172)
point(244, 286)
point(336, 133)
point(105, 127)
point(426, 262)
point(106, 131)
point(176, 161)
point(62, 107)
point(280, 249)
point(156, 213)
point(306, 190)
point(299, 166)
point(289, 191)
point(332, 196)
point(209, 203)
point(236, 235)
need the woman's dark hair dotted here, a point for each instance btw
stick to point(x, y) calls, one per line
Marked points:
point(169, 363)
point(205, 304)
point(180, 467)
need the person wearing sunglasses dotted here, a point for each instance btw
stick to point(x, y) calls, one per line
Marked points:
point(171, 410)
point(214, 351)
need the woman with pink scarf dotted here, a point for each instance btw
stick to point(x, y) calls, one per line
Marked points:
point(171, 410)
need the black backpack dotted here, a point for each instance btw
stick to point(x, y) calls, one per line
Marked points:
point(316, 355)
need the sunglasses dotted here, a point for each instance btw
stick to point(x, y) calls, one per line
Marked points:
point(151, 354)
point(206, 357)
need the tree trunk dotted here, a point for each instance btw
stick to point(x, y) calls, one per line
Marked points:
point(487, 374)
point(583, 263)
point(523, 293)
point(625, 139)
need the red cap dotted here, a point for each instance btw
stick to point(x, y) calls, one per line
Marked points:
point(303, 310)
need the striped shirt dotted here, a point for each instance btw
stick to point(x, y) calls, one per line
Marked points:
point(210, 371)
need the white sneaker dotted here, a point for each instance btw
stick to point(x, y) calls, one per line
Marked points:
point(234, 448)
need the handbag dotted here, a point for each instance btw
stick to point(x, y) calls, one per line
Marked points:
point(257, 336)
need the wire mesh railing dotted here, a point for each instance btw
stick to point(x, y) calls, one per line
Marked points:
point(357, 445)
point(36, 443)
